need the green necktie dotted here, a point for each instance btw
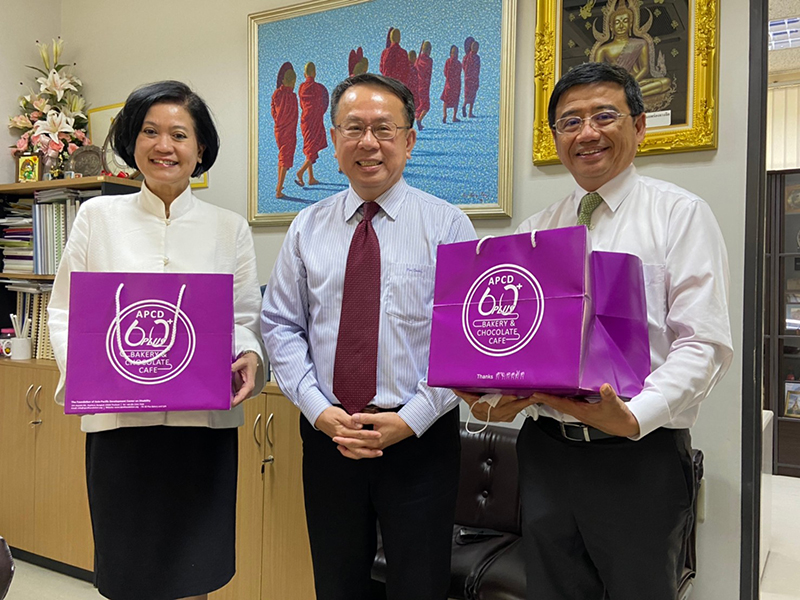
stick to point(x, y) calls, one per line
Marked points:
point(588, 203)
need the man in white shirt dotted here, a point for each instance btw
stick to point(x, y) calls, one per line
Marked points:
point(607, 488)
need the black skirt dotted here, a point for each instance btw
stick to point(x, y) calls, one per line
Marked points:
point(163, 507)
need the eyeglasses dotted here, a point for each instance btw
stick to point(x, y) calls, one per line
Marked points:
point(381, 131)
point(598, 122)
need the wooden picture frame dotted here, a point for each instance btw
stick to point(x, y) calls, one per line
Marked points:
point(670, 46)
point(467, 163)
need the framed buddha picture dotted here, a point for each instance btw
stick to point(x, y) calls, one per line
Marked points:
point(669, 46)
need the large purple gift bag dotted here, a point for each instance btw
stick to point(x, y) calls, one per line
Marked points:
point(538, 312)
point(141, 342)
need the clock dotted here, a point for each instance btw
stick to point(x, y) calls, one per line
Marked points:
point(86, 160)
point(113, 163)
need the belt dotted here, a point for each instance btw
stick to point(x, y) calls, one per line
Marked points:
point(371, 409)
point(575, 432)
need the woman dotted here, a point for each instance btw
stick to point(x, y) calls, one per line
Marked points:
point(162, 486)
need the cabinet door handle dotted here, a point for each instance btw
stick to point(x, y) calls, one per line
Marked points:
point(35, 423)
point(28, 396)
point(255, 430)
point(266, 428)
point(36, 399)
point(269, 459)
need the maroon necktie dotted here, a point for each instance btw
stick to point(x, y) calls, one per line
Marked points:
point(355, 367)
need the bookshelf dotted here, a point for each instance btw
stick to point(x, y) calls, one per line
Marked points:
point(105, 185)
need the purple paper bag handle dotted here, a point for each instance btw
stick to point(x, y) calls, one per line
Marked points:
point(145, 361)
point(487, 237)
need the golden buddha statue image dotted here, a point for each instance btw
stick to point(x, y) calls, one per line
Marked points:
point(623, 42)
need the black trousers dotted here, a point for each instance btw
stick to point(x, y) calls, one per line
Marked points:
point(411, 491)
point(607, 518)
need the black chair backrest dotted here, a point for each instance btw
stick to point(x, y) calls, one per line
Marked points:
point(488, 496)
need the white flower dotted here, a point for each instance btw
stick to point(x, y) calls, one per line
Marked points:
point(73, 105)
point(56, 85)
point(55, 123)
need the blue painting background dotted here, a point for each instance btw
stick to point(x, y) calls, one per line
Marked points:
point(455, 161)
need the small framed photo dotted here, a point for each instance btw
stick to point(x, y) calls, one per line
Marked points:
point(793, 316)
point(792, 406)
point(29, 168)
point(792, 195)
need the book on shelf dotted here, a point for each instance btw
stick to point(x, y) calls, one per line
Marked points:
point(33, 304)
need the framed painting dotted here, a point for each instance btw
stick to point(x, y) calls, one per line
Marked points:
point(463, 152)
point(791, 407)
point(100, 120)
point(670, 46)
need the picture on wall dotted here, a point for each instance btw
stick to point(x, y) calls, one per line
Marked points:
point(456, 56)
point(669, 46)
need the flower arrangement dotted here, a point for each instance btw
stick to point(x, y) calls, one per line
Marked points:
point(52, 121)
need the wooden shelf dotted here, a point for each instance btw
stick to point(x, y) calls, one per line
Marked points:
point(27, 276)
point(80, 183)
point(34, 363)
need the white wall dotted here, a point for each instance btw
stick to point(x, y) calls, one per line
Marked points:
point(21, 24)
point(119, 45)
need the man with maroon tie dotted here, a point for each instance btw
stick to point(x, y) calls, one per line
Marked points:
point(346, 320)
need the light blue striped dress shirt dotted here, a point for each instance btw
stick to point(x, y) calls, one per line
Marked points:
point(302, 302)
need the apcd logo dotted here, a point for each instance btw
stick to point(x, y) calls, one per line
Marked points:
point(150, 341)
point(503, 310)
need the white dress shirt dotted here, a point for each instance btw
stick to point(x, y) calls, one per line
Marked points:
point(131, 233)
point(686, 282)
point(303, 300)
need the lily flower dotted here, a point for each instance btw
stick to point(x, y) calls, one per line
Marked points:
point(74, 104)
point(57, 85)
point(20, 122)
point(55, 123)
point(57, 45)
point(40, 104)
point(44, 51)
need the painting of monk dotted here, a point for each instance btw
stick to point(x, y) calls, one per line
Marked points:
point(417, 43)
point(452, 84)
point(313, 104)
point(424, 66)
point(284, 113)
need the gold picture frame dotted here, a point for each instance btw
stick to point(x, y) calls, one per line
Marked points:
point(695, 27)
point(100, 119)
point(29, 167)
point(791, 406)
point(480, 181)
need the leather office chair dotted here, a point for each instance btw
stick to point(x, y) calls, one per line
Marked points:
point(6, 568)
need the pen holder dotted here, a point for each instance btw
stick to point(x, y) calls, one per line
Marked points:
point(20, 348)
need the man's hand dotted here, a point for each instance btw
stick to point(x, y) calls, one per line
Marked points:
point(390, 427)
point(338, 425)
point(244, 376)
point(610, 414)
point(507, 408)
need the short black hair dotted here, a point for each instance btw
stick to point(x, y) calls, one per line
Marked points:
point(392, 85)
point(594, 72)
point(128, 123)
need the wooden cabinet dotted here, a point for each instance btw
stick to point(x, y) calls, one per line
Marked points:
point(44, 507)
point(272, 553)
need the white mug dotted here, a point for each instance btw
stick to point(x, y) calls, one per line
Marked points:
point(20, 348)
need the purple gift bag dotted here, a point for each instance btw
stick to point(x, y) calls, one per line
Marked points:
point(141, 342)
point(538, 312)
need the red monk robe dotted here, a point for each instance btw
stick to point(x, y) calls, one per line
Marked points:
point(424, 66)
point(472, 76)
point(394, 63)
point(314, 103)
point(284, 112)
point(413, 82)
point(452, 82)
